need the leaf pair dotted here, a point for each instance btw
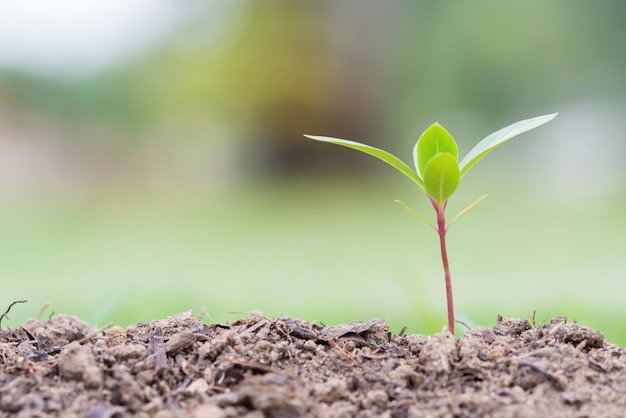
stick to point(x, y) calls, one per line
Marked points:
point(436, 159)
point(437, 170)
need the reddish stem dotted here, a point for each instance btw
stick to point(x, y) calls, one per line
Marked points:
point(441, 230)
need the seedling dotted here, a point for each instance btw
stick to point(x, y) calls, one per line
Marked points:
point(438, 173)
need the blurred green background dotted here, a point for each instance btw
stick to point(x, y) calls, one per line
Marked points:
point(152, 159)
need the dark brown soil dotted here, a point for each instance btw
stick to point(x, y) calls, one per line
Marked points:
point(258, 367)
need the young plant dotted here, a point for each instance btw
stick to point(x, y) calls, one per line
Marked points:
point(438, 173)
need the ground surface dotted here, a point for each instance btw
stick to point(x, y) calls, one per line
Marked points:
point(259, 367)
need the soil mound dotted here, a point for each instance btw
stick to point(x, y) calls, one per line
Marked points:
point(260, 367)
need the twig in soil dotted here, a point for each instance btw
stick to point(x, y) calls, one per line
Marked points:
point(43, 308)
point(256, 366)
point(426, 381)
point(597, 368)
point(94, 333)
point(556, 383)
point(205, 315)
point(184, 384)
point(402, 331)
point(283, 329)
point(255, 314)
point(303, 333)
point(538, 335)
point(30, 334)
point(157, 349)
point(6, 313)
point(344, 353)
point(458, 321)
point(352, 359)
point(263, 325)
point(178, 342)
point(389, 365)
point(581, 345)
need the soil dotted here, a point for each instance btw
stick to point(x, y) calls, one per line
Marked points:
point(259, 367)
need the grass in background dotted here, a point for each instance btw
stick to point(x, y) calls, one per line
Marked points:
point(272, 248)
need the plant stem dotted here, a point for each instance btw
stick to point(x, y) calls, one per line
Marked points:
point(441, 230)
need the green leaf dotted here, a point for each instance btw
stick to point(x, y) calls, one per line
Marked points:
point(433, 141)
point(417, 215)
point(497, 138)
point(441, 176)
point(390, 159)
point(467, 209)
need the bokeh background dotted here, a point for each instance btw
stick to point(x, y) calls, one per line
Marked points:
point(152, 159)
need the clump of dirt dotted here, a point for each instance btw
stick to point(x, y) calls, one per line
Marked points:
point(260, 367)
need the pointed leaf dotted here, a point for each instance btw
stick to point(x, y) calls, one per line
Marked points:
point(417, 215)
point(467, 209)
point(433, 141)
point(441, 176)
point(497, 138)
point(390, 159)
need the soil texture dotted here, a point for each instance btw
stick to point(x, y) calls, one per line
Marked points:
point(259, 367)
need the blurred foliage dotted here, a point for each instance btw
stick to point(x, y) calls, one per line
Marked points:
point(361, 70)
